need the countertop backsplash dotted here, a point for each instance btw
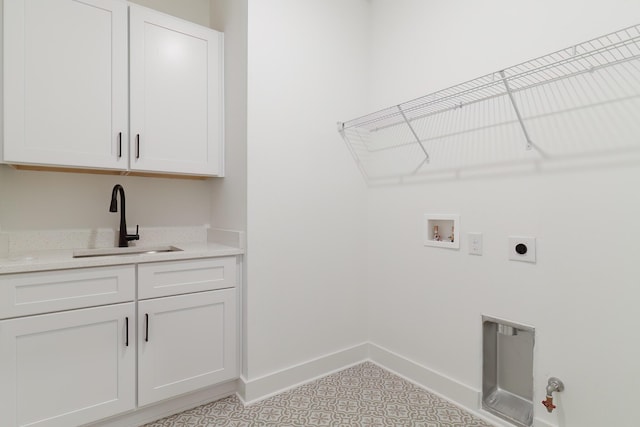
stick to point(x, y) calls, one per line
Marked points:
point(20, 242)
point(4, 245)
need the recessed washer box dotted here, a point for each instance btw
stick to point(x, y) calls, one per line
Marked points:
point(522, 248)
point(442, 230)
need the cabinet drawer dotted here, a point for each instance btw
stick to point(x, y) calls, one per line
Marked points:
point(42, 292)
point(180, 277)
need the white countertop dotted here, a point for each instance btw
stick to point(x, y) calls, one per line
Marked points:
point(63, 259)
point(41, 250)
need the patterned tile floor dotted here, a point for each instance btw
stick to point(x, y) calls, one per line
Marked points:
point(364, 395)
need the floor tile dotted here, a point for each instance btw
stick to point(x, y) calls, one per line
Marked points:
point(364, 395)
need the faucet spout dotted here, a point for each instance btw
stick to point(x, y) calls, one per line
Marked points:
point(123, 238)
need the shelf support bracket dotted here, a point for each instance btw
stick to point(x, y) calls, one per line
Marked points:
point(415, 135)
point(515, 108)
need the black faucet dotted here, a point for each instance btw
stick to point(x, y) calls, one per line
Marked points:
point(123, 240)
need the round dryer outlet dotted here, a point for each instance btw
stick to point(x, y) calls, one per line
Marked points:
point(522, 249)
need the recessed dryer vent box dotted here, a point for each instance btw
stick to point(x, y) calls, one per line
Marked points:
point(442, 230)
point(507, 370)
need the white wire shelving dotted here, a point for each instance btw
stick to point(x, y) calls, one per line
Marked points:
point(585, 98)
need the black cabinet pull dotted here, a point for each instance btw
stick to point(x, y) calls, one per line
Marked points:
point(119, 144)
point(126, 339)
point(146, 327)
point(137, 146)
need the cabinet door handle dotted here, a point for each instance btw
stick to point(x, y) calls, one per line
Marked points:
point(119, 144)
point(146, 327)
point(137, 146)
point(126, 339)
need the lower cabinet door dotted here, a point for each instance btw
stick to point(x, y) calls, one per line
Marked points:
point(186, 342)
point(69, 368)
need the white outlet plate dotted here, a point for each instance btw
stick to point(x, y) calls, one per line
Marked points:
point(475, 243)
point(522, 243)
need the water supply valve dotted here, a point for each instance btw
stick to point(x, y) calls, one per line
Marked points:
point(554, 384)
point(548, 403)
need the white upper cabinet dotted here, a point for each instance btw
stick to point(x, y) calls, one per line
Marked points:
point(65, 83)
point(74, 68)
point(176, 95)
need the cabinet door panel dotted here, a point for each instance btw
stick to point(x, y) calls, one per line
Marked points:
point(66, 82)
point(67, 368)
point(176, 95)
point(188, 343)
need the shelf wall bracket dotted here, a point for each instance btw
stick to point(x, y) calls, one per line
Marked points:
point(515, 108)
point(415, 135)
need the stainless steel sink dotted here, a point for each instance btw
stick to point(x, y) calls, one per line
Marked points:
point(124, 251)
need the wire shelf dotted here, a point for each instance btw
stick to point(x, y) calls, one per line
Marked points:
point(560, 103)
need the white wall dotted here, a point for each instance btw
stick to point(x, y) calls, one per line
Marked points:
point(311, 280)
point(306, 206)
point(229, 197)
point(581, 296)
point(191, 10)
point(423, 46)
point(53, 200)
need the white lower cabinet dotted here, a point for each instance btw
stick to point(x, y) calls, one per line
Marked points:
point(69, 368)
point(186, 342)
point(68, 341)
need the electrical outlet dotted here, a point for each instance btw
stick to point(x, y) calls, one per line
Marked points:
point(475, 243)
point(522, 249)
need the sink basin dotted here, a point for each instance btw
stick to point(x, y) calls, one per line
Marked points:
point(124, 251)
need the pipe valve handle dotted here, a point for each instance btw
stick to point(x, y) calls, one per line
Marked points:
point(548, 403)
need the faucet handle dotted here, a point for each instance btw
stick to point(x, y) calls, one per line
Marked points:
point(134, 236)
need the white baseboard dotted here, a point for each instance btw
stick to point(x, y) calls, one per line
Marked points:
point(537, 422)
point(440, 384)
point(266, 386)
point(163, 409)
point(263, 387)
point(490, 418)
point(448, 388)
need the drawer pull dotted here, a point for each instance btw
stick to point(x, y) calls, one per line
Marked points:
point(126, 339)
point(146, 327)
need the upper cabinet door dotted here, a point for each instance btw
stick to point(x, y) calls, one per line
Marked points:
point(65, 83)
point(176, 95)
